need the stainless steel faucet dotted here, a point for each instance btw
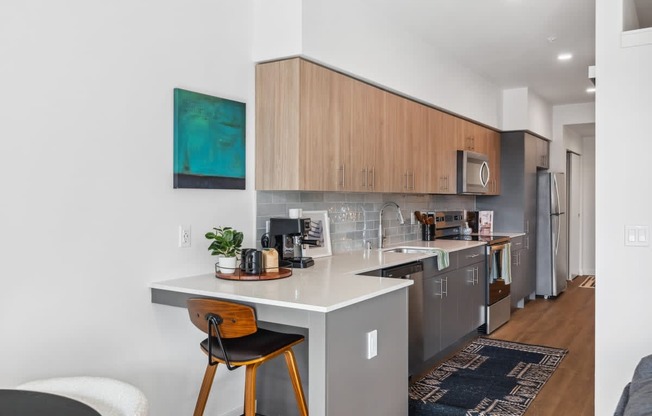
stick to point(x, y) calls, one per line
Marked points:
point(381, 234)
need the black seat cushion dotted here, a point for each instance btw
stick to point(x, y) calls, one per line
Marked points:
point(251, 347)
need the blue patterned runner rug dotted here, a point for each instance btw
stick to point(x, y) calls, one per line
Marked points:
point(488, 377)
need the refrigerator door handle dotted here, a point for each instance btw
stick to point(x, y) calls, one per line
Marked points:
point(556, 217)
point(556, 208)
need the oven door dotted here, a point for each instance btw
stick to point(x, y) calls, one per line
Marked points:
point(498, 272)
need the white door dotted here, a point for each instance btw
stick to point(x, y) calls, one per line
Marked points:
point(574, 209)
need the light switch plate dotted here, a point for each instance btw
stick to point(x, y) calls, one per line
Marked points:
point(637, 235)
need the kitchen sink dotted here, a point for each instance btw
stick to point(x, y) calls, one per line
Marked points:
point(409, 250)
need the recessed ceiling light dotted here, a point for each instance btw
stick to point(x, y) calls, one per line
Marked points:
point(590, 90)
point(564, 56)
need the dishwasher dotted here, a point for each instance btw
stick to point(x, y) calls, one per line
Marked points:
point(414, 272)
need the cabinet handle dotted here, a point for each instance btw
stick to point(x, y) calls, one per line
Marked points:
point(446, 291)
point(412, 175)
point(365, 177)
point(477, 276)
point(471, 256)
point(441, 289)
point(446, 182)
point(373, 178)
point(527, 242)
point(472, 275)
point(341, 183)
point(405, 175)
point(527, 226)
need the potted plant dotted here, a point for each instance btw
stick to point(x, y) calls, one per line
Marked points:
point(226, 243)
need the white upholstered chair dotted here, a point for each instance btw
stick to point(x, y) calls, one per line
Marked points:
point(108, 396)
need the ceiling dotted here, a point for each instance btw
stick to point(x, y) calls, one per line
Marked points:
point(512, 43)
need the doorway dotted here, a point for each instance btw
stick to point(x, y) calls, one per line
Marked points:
point(574, 198)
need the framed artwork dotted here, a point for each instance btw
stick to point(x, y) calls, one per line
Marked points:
point(320, 231)
point(209, 141)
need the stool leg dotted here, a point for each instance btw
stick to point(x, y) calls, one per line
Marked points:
point(205, 389)
point(250, 390)
point(296, 382)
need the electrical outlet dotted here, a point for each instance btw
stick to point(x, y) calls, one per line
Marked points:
point(184, 236)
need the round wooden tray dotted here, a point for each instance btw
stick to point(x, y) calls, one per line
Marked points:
point(239, 274)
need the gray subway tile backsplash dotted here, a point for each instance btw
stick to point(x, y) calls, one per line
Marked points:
point(354, 216)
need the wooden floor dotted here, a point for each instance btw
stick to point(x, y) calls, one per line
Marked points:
point(565, 322)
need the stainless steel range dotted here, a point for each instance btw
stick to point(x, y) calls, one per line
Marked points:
point(449, 226)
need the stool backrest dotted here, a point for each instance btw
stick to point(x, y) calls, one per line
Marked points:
point(237, 320)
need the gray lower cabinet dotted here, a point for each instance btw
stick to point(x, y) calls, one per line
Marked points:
point(454, 301)
point(523, 280)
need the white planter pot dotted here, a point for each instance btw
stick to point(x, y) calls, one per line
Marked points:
point(227, 264)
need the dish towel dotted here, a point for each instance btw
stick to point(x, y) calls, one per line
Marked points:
point(507, 264)
point(442, 259)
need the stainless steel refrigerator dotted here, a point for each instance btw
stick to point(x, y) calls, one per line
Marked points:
point(552, 256)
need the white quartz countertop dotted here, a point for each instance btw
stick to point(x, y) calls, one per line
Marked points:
point(332, 283)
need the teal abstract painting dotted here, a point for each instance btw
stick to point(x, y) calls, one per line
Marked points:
point(209, 141)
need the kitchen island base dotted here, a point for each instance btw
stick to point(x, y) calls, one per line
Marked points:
point(333, 363)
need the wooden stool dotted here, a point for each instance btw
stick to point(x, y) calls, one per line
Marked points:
point(234, 339)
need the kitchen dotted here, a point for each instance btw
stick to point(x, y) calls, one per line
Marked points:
point(124, 204)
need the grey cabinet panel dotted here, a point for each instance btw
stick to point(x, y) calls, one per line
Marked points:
point(433, 295)
point(454, 302)
point(515, 209)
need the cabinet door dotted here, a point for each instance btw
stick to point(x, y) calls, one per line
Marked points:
point(453, 325)
point(493, 151)
point(415, 156)
point(543, 154)
point(277, 125)
point(325, 128)
point(367, 135)
point(393, 179)
point(441, 147)
point(472, 301)
point(432, 299)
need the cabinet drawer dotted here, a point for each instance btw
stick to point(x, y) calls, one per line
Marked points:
point(430, 265)
point(471, 255)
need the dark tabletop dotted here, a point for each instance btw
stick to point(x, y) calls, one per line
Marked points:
point(34, 403)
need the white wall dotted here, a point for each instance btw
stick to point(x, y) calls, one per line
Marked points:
point(524, 110)
point(89, 216)
point(277, 29)
point(514, 114)
point(564, 115)
point(623, 151)
point(346, 35)
point(588, 206)
point(539, 115)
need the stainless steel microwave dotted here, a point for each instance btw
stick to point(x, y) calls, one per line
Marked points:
point(472, 172)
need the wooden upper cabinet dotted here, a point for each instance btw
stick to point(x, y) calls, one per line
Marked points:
point(471, 136)
point(442, 153)
point(493, 141)
point(325, 132)
point(277, 125)
point(303, 127)
point(319, 130)
point(367, 134)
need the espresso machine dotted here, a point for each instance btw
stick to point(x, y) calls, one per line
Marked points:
point(288, 235)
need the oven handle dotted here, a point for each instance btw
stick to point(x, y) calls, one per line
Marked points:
point(497, 247)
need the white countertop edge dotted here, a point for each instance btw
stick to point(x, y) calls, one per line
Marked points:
point(400, 284)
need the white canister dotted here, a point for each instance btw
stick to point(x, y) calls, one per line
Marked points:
point(295, 212)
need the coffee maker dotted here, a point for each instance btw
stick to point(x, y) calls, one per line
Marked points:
point(288, 235)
